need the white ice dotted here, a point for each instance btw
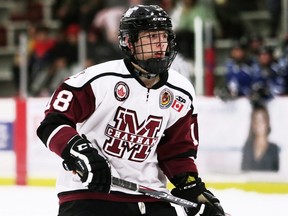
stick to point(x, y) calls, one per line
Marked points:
point(42, 201)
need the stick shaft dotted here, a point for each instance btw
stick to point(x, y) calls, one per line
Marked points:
point(152, 193)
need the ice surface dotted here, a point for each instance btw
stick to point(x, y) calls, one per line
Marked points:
point(42, 201)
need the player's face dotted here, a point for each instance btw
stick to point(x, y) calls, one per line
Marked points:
point(151, 44)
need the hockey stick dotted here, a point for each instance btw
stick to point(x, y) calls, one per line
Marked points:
point(156, 194)
point(144, 190)
point(149, 191)
point(152, 193)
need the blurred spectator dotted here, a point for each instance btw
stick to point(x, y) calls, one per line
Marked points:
point(64, 56)
point(228, 14)
point(184, 66)
point(108, 18)
point(88, 10)
point(269, 80)
point(186, 11)
point(31, 36)
point(80, 12)
point(67, 45)
point(40, 56)
point(40, 59)
point(43, 44)
point(40, 44)
point(254, 43)
point(99, 49)
point(239, 72)
point(184, 60)
point(66, 12)
point(259, 154)
point(185, 43)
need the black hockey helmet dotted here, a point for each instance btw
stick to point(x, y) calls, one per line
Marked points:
point(147, 18)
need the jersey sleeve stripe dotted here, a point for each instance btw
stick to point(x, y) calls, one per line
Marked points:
point(53, 134)
point(60, 137)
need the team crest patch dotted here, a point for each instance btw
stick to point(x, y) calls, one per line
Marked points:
point(121, 91)
point(165, 99)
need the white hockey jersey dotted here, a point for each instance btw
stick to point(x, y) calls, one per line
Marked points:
point(147, 135)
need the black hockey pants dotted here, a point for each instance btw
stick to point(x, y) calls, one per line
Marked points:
point(109, 208)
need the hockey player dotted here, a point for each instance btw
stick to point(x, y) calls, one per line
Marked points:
point(133, 118)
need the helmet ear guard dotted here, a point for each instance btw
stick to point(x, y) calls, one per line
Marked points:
point(146, 18)
point(125, 44)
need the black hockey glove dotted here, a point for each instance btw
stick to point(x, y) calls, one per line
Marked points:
point(81, 157)
point(193, 189)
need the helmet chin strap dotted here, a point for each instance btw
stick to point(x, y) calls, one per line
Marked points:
point(145, 75)
point(140, 73)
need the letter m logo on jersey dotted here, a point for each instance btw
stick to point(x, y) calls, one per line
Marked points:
point(129, 139)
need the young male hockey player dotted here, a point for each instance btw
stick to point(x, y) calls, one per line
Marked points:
point(135, 119)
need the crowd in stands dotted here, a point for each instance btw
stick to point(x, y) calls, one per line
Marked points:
point(254, 70)
point(54, 55)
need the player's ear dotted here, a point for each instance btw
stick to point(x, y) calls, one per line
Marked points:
point(128, 43)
